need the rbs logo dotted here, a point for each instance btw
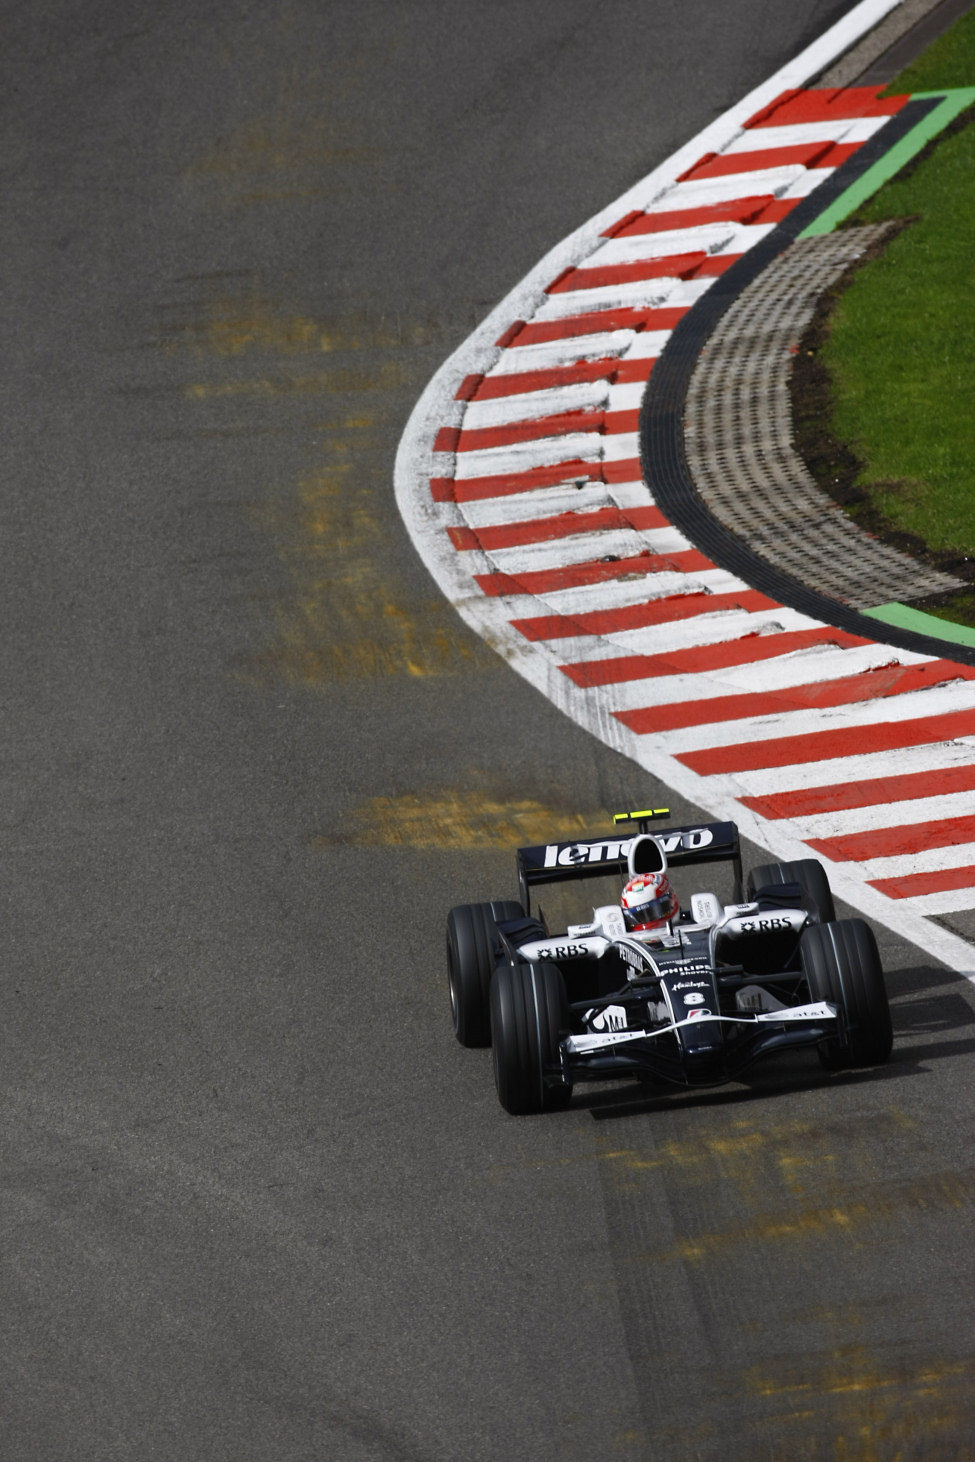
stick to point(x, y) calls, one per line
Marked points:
point(563, 951)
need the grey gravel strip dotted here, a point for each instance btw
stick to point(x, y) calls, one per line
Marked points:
point(897, 41)
point(738, 437)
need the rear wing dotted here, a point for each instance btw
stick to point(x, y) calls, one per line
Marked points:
point(712, 842)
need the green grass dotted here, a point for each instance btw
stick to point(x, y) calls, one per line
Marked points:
point(901, 353)
point(949, 62)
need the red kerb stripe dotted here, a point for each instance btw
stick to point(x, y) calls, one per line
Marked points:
point(827, 104)
point(912, 885)
point(573, 576)
point(561, 525)
point(824, 745)
point(807, 801)
point(511, 433)
point(893, 842)
point(742, 651)
point(545, 331)
point(846, 690)
point(618, 423)
point(522, 383)
point(513, 330)
point(804, 154)
point(632, 372)
point(695, 265)
point(638, 616)
point(761, 208)
point(630, 469)
point(476, 489)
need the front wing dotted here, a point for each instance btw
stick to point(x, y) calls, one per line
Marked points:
point(604, 1054)
point(816, 1015)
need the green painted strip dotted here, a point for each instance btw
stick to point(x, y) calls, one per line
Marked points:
point(954, 102)
point(902, 616)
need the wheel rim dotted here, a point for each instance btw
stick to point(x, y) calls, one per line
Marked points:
point(451, 984)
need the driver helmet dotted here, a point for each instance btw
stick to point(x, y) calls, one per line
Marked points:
point(649, 901)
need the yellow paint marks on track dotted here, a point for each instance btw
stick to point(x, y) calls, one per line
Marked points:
point(879, 1411)
point(281, 156)
point(342, 610)
point(857, 1214)
point(458, 820)
point(235, 316)
point(386, 375)
point(777, 1186)
point(344, 618)
point(755, 1158)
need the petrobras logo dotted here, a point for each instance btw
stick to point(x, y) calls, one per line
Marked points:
point(609, 850)
point(635, 958)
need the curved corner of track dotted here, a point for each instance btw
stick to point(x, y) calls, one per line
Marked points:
point(520, 482)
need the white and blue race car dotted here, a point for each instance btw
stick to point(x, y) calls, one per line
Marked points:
point(691, 998)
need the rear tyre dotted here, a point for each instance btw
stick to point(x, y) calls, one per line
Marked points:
point(471, 956)
point(810, 875)
point(842, 965)
point(529, 1016)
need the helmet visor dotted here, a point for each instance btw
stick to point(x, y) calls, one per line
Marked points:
point(651, 912)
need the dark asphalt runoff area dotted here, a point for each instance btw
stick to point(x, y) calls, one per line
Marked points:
point(256, 1205)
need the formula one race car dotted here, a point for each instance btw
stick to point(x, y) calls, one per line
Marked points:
point(649, 990)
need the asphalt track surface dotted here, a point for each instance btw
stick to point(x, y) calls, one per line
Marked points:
point(256, 1202)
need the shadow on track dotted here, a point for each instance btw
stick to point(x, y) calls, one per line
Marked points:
point(915, 1013)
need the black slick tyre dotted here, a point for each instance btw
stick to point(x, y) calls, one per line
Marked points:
point(842, 965)
point(471, 957)
point(529, 1016)
point(809, 873)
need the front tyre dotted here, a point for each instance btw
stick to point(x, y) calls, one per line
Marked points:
point(809, 873)
point(842, 965)
point(529, 1016)
point(471, 956)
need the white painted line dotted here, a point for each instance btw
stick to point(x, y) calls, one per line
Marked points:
point(926, 860)
point(723, 626)
point(554, 353)
point(952, 901)
point(850, 129)
point(843, 771)
point(545, 452)
point(669, 292)
point(886, 814)
point(757, 677)
point(544, 502)
point(579, 548)
point(938, 701)
point(584, 396)
point(712, 239)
